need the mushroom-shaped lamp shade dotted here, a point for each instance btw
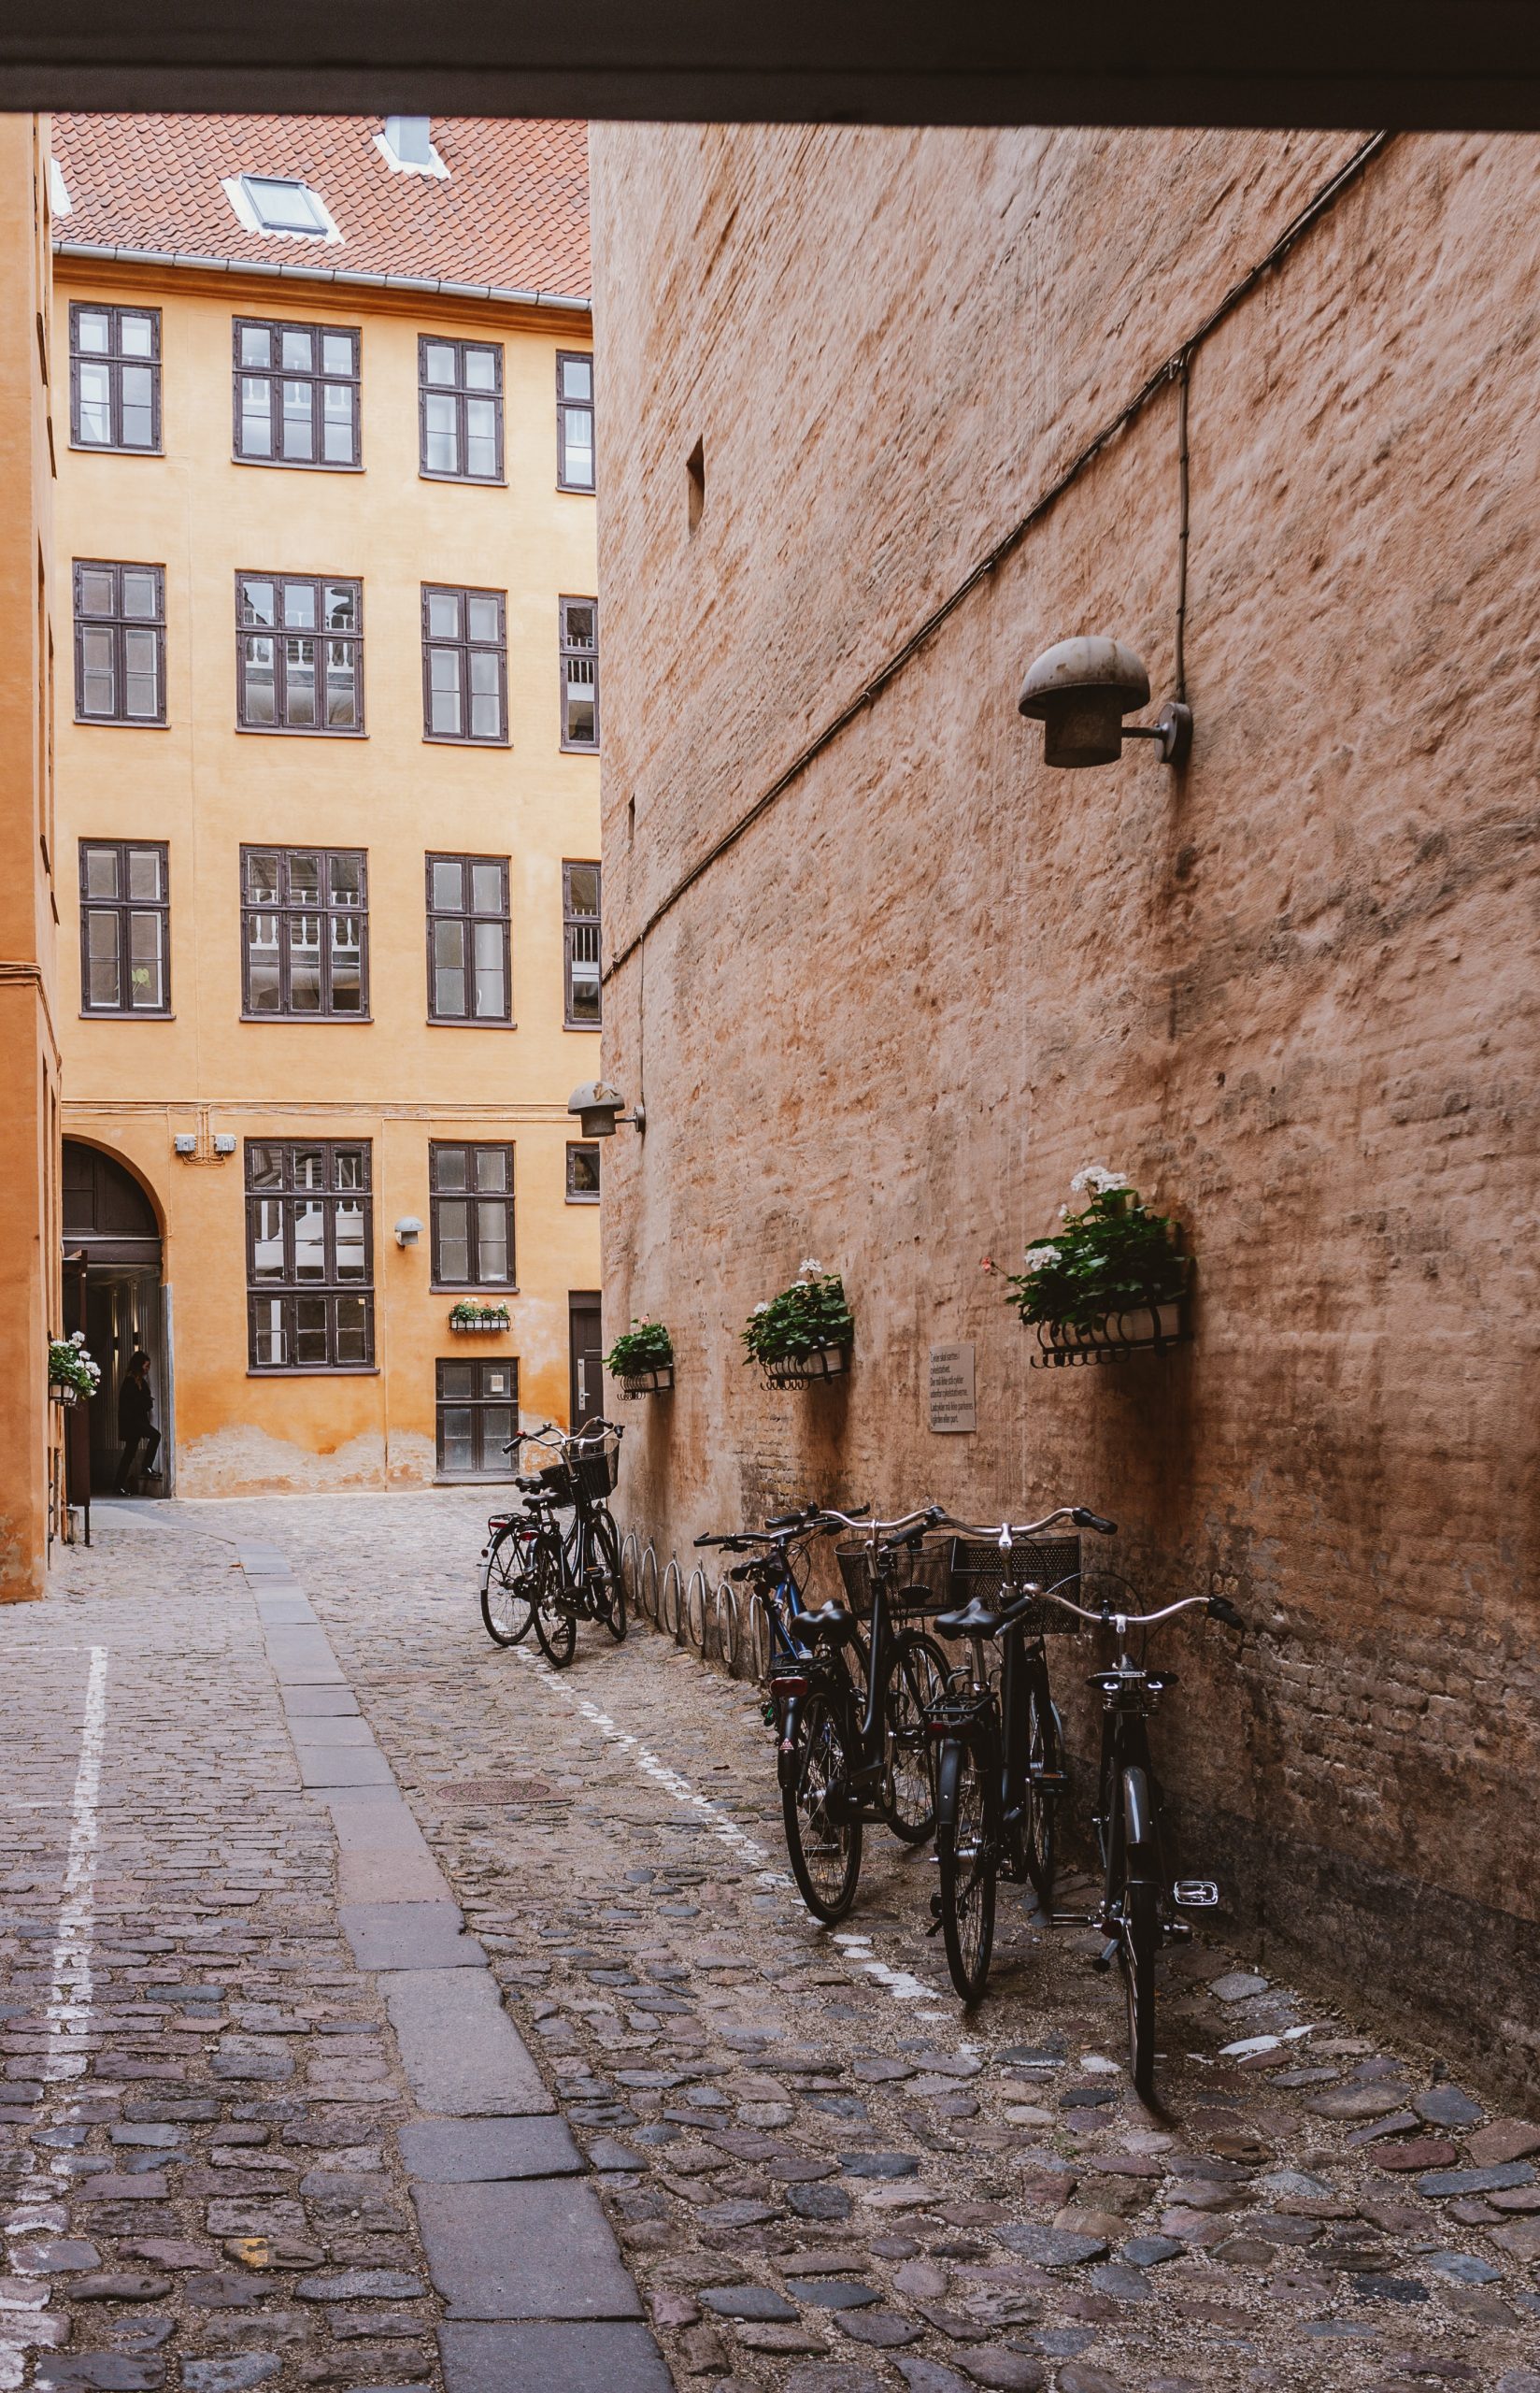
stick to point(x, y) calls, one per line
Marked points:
point(598, 1107)
point(1080, 691)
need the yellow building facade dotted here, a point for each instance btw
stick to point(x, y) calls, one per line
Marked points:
point(328, 815)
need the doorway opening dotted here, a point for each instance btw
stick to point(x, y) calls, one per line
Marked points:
point(114, 1291)
point(586, 1342)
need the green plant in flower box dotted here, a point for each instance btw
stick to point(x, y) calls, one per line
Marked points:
point(646, 1346)
point(1112, 1255)
point(810, 1314)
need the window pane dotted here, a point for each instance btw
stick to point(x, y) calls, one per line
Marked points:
point(577, 447)
point(444, 708)
point(454, 1432)
point(577, 627)
point(141, 593)
point(347, 964)
point(310, 1329)
point(497, 1379)
point(138, 414)
point(258, 603)
point(311, 1241)
point(268, 1344)
point(342, 607)
point(96, 404)
point(486, 696)
point(144, 873)
point(347, 880)
point(265, 989)
point(496, 1431)
point(482, 618)
point(491, 997)
point(141, 676)
point(350, 1167)
point(297, 350)
point(454, 1245)
point(304, 963)
point(441, 441)
point(261, 879)
point(487, 888)
point(101, 872)
point(581, 730)
point(481, 369)
point(440, 362)
point(98, 674)
point(450, 972)
point(260, 705)
point(102, 978)
point(582, 1171)
point(299, 682)
point(137, 335)
point(298, 424)
point(98, 590)
point(353, 1330)
point(256, 345)
point(447, 883)
point(299, 606)
point(585, 992)
point(146, 965)
point(492, 1242)
point(578, 377)
point(268, 1239)
point(305, 878)
point(337, 426)
point(92, 329)
point(481, 437)
point(457, 1381)
point(349, 1237)
point(491, 1171)
point(256, 421)
point(337, 353)
point(341, 685)
point(583, 888)
point(264, 1166)
point(444, 614)
point(452, 1167)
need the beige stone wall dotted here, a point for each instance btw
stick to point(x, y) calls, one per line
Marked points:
point(1291, 990)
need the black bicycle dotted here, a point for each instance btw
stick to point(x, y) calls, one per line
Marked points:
point(1001, 1771)
point(852, 1707)
point(558, 1561)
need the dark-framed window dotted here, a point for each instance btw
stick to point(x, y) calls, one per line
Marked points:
point(305, 934)
point(575, 419)
point(460, 409)
point(119, 642)
point(126, 926)
point(582, 1173)
point(299, 654)
point(465, 665)
point(310, 1256)
point(114, 377)
point(468, 961)
point(296, 394)
point(579, 673)
point(470, 1199)
point(581, 930)
point(477, 1413)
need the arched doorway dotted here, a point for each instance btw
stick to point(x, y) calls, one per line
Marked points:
point(112, 1291)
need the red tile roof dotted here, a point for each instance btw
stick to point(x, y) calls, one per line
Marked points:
point(513, 214)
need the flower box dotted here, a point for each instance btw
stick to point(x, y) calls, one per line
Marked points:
point(1111, 1282)
point(657, 1381)
point(808, 1370)
point(641, 1361)
point(1136, 1329)
point(477, 1320)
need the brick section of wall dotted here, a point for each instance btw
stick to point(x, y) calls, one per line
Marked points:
point(1289, 991)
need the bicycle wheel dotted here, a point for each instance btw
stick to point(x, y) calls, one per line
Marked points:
point(822, 1832)
point(555, 1624)
point(508, 1586)
point(1044, 1752)
point(1140, 1938)
point(603, 1556)
point(914, 1682)
point(967, 1849)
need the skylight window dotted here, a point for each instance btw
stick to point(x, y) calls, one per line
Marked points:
point(406, 147)
point(281, 204)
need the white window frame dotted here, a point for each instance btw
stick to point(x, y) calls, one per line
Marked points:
point(235, 191)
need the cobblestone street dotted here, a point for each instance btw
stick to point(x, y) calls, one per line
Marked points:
point(265, 2122)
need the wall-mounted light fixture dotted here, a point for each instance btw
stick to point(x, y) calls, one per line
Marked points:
point(600, 1107)
point(225, 1143)
point(1080, 691)
point(186, 1142)
point(407, 1230)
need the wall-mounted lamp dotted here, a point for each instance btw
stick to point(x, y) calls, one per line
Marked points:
point(600, 1107)
point(407, 1230)
point(1080, 691)
point(225, 1143)
point(186, 1142)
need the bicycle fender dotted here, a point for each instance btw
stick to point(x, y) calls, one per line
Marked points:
point(786, 1751)
point(1138, 1812)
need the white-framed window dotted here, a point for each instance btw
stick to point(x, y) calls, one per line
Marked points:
point(282, 206)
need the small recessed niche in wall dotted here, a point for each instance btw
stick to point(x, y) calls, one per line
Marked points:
point(631, 832)
point(695, 469)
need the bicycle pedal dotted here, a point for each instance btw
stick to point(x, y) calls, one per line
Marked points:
point(1196, 1893)
point(1104, 1959)
point(1178, 1931)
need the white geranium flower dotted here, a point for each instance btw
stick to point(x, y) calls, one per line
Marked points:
point(1038, 1258)
point(809, 1270)
point(79, 1338)
point(1098, 1179)
point(764, 1307)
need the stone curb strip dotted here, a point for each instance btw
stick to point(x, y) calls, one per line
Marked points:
point(536, 2296)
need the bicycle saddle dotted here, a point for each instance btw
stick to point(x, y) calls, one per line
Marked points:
point(975, 1619)
point(833, 1622)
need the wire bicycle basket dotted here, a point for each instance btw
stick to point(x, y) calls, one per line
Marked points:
point(594, 1461)
point(917, 1586)
point(996, 1574)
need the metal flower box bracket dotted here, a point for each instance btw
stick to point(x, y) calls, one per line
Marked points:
point(808, 1370)
point(1139, 1329)
point(468, 1324)
point(659, 1380)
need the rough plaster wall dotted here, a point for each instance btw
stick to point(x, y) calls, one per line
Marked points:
point(247, 1461)
point(1292, 991)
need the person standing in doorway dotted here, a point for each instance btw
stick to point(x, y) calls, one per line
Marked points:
point(135, 1420)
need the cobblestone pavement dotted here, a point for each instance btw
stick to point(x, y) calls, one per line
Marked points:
point(823, 2179)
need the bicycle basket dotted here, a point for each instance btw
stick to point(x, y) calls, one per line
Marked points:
point(555, 1478)
point(982, 1568)
point(919, 1585)
point(596, 1464)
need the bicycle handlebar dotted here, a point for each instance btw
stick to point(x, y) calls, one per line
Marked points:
point(904, 1525)
point(1008, 1533)
point(1219, 1609)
